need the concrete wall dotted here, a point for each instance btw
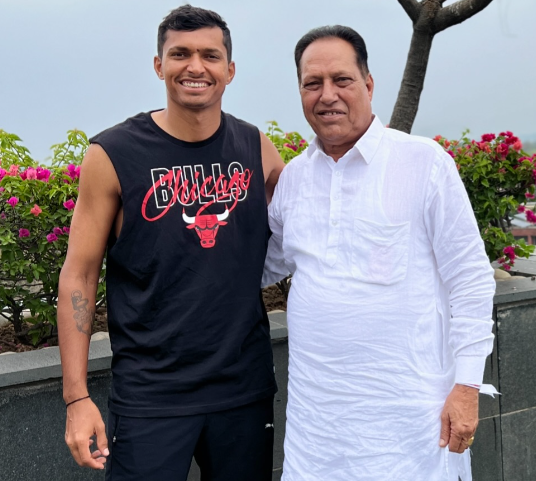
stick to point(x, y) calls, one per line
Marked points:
point(32, 413)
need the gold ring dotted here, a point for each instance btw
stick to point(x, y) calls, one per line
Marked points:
point(470, 441)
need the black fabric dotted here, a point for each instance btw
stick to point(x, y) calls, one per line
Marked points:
point(231, 445)
point(188, 328)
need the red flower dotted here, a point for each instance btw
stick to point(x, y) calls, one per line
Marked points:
point(521, 208)
point(35, 210)
point(502, 149)
point(488, 137)
point(530, 216)
point(69, 205)
point(510, 252)
point(24, 233)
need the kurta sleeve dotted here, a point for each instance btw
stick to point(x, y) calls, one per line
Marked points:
point(274, 265)
point(463, 267)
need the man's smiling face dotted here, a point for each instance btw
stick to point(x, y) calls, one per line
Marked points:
point(336, 99)
point(195, 68)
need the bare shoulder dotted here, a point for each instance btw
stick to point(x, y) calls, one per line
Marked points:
point(96, 209)
point(272, 165)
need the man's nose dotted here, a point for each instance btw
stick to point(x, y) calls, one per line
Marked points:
point(329, 93)
point(195, 65)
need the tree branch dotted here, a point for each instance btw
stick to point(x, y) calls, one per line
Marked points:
point(412, 8)
point(458, 12)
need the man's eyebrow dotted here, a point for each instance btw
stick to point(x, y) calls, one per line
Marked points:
point(202, 50)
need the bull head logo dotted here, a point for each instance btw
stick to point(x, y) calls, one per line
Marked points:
point(206, 225)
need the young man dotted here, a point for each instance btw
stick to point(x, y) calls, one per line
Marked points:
point(390, 308)
point(178, 197)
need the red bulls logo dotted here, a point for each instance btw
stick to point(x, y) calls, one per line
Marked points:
point(206, 225)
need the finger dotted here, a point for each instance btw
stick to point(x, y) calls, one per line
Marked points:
point(102, 440)
point(456, 444)
point(445, 430)
point(86, 458)
point(96, 454)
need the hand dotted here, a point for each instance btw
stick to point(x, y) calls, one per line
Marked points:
point(459, 418)
point(84, 421)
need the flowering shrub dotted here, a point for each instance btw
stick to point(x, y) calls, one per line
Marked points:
point(36, 206)
point(499, 178)
point(288, 144)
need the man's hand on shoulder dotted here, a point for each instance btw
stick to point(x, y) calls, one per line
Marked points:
point(459, 418)
point(272, 165)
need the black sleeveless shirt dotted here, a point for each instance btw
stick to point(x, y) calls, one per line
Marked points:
point(188, 328)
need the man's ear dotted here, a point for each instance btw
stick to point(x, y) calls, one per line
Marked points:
point(232, 71)
point(158, 67)
point(370, 85)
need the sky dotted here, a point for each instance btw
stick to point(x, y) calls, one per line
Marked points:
point(88, 64)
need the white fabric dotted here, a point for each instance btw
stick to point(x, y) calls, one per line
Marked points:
point(379, 244)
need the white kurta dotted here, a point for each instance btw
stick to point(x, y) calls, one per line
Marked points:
point(390, 305)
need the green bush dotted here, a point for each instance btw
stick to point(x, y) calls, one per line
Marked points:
point(499, 178)
point(36, 206)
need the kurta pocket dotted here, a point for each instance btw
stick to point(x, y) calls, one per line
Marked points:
point(380, 252)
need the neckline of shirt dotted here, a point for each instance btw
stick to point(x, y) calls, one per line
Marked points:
point(365, 148)
point(183, 143)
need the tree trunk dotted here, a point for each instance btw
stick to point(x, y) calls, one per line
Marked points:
point(409, 95)
point(429, 17)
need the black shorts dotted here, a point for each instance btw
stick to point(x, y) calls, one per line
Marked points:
point(232, 445)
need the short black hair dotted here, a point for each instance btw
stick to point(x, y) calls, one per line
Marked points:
point(187, 19)
point(335, 31)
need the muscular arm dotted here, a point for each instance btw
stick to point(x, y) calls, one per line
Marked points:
point(272, 165)
point(97, 207)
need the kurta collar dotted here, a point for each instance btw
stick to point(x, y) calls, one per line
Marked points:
point(364, 148)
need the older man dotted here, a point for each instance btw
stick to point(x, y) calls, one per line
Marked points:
point(389, 311)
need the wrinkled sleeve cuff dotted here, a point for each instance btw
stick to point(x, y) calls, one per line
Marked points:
point(470, 369)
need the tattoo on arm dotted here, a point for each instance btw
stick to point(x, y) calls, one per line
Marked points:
point(83, 316)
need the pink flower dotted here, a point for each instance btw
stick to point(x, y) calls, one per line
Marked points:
point(502, 149)
point(73, 171)
point(24, 233)
point(521, 208)
point(52, 237)
point(530, 216)
point(35, 210)
point(2, 189)
point(437, 138)
point(451, 153)
point(67, 230)
point(13, 170)
point(13, 201)
point(302, 142)
point(23, 175)
point(57, 231)
point(507, 267)
point(3, 173)
point(510, 252)
point(3, 216)
point(43, 174)
point(528, 195)
point(31, 173)
point(484, 146)
point(488, 137)
point(291, 146)
point(69, 205)
point(517, 146)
